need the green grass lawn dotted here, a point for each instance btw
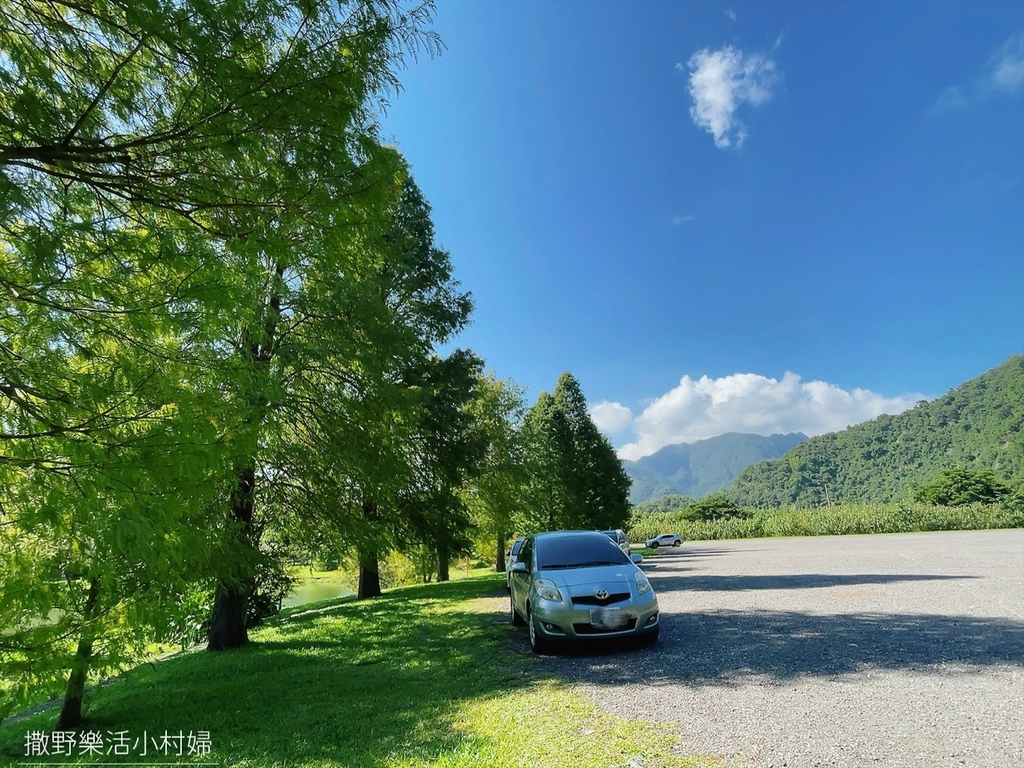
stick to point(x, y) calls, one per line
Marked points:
point(431, 675)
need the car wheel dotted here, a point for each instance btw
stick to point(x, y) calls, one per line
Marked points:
point(651, 637)
point(654, 545)
point(537, 641)
point(517, 620)
point(676, 543)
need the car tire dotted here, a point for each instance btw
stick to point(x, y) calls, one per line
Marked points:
point(517, 620)
point(677, 543)
point(654, 545)
point(537, 641)
point(650, 638)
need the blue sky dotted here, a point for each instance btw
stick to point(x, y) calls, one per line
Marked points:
point(728, 216)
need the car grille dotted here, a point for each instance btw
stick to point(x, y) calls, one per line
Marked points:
point(589, 629)
point(614, 597)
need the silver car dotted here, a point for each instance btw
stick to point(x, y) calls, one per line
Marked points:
point(578, 585)
point(510, 557)
point(665, 540)
point(619, 537)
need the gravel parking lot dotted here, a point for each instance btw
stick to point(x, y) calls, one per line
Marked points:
point(891, 650)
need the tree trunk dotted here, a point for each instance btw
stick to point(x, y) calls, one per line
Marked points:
point(369, 564)
point(228, 618)
point(442, 561)
point(369, 576)
point(499, 561)
point(71, 712)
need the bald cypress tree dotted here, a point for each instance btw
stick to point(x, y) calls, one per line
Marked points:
point(576, 480)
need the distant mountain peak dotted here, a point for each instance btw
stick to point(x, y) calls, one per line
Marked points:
point(702, 466)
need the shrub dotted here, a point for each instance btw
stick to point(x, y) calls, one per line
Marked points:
point(715, 506)
point(957, 487)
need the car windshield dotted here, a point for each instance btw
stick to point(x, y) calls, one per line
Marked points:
point(516, 546)
point(578, 552)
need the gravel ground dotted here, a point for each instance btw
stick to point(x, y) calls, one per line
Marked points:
point(904, 651)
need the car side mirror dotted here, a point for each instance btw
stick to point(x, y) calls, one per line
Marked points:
point(518, 567)
point(637, 558)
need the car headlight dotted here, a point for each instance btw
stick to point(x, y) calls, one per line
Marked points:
point(547, 590)
point(642, 584)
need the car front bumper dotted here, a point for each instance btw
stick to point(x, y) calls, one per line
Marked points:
point(565, 620)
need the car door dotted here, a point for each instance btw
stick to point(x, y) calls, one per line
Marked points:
point(520, 581)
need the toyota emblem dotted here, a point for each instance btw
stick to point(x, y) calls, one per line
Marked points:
point(600, 594)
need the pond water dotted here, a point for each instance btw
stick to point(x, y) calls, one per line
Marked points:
point(312, 592)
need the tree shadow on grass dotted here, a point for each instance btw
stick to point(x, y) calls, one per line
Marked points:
point(727, 647)
point(361, 685)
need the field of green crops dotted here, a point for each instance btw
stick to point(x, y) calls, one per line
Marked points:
point(904, 517)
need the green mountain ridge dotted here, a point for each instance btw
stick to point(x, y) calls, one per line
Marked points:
point(694, 469)
point(979, 424)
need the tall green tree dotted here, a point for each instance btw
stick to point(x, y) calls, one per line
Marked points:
point(188, 199)
point(544, 434)
point(446, 453)
point(577, 481)
point(418, 291)
point(110, 448)
point(495, 492)
point(343, 319)
point(596, 480)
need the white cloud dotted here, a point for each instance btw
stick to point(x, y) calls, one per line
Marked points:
point(953, 99)
point(1006, 72)
point(730, 14)
point(680, 219)
point(720, 83)
point(748, 402)
point(610, 417)
point(1003, 74)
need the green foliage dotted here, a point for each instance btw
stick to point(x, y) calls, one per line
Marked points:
point(977, 426)
point(957, 487)
point(218, 110)
point(445, 450)
point(904, 517)
point(493, 493)
point(214, 278)
point(440, 444)
point(667, 503)
point(575, 478)
point(110, 457)
point(715, 506)
point(271, 584)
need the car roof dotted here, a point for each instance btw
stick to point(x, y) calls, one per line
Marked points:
point(566, 534)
